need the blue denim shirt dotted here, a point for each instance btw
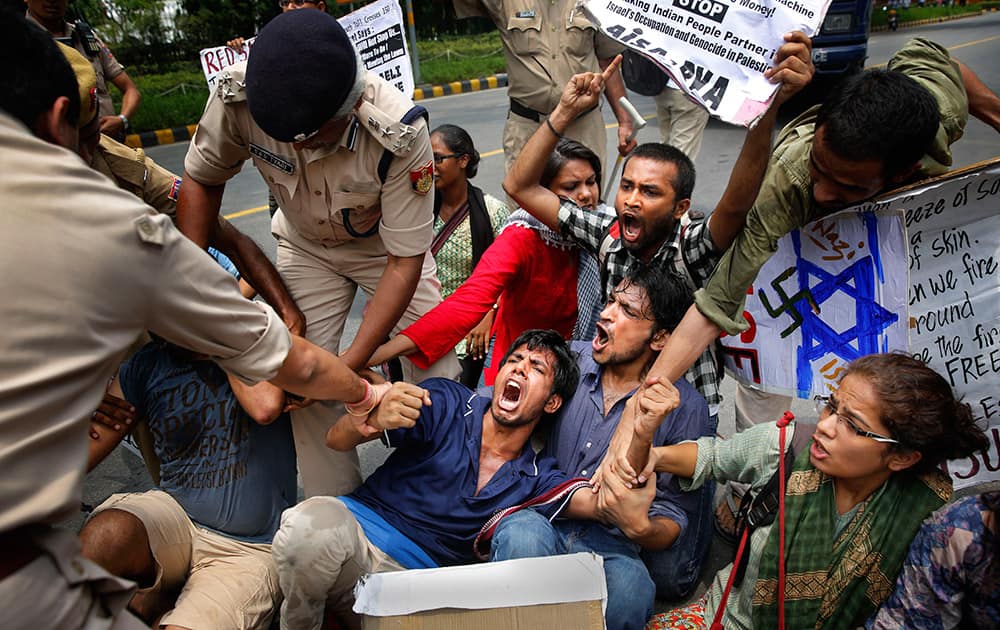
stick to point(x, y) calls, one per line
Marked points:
point(427, 487)
point(581, 434)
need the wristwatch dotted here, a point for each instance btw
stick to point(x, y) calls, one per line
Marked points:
point(124, 121)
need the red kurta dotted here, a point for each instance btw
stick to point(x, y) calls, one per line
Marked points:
point(535, 283)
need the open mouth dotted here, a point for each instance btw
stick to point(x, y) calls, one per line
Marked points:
point(630, 227)
point(601, 338)
point(510, 396)
point(817, 451)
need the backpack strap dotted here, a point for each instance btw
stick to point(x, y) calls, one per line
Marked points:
point(479, 224)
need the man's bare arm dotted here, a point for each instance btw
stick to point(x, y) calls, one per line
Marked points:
point(198, 210)
point(263, 401)
point(259, 273)
point(794, 69)
point(983, 103)
point(393, 293)
point(614, 89)
point(523, 180)
point(399, 407)
point(103, 438)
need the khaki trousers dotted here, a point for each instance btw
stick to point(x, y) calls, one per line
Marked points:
point(321, 552)
point(588, 130)
point(682, 121)
point(323, 280)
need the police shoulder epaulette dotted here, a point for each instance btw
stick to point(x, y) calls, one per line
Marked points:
point(395, 135)
point(231, 84)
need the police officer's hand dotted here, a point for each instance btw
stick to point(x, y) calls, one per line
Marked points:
point(584, 90)
point(114, 413)
point(294, 320)
point(793, 66)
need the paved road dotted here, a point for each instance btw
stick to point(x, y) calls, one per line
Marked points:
point(976, 41)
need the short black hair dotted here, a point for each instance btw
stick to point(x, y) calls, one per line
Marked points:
point(565, 151)
point(36, 74)
point(668, 293)
point(684, 181)
point(879, 115)
point(460, 143)
point(567, 373)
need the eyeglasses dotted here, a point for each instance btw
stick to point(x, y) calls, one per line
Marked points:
point(441, 158)
point(824, 406)
point(298, 3)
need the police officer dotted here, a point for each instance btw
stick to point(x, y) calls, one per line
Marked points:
point(132, 170)
point(85, 267)
point(544, 45)
point(348, 159)
point(51, 15)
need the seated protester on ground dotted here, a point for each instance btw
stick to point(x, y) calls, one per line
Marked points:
point(951, 577)
point(529, 272)
point(466, 220)
point(855, 497)
point(199, 546)
point(655, 192)
point(459, 457)
point(878, 130)
point(673, 536)
point(132, 170)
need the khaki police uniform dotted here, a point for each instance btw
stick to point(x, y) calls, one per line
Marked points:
point(82, 280)
point(337, 222)
point(106, 66)
point(544, 45)
point(132, 170)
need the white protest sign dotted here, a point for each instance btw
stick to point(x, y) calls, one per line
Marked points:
point(215, 60)
point(376, 31)
point(834, 291)
point(949, 242)
point(717, 50)
point(953, 231)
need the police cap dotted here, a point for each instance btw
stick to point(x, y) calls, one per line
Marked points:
point(303, 71)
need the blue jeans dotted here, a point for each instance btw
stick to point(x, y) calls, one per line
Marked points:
point(675, 570)
point(528, 534)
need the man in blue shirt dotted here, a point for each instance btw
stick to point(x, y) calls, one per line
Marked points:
point(199, 545)
point(459, 458)
point(672, 535)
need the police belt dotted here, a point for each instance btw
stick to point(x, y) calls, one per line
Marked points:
point(526, 112)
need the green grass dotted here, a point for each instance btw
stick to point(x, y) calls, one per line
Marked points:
point(165, 104)
point(914, 13)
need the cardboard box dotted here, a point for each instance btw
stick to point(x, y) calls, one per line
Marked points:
point(555, 592)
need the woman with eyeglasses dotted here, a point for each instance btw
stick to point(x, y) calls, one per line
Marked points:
point(466, 220)
point(530, 274)
point(855, 497)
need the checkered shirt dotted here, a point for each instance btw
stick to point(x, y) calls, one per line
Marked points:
point(698, 257)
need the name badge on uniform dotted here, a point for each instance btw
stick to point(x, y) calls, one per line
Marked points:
point(524, 14)
point(274, 160)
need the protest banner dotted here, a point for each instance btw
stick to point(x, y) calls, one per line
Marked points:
point(953, 232)
point(376, 31)
point(834, 291)
point(716, 50)
point(914, 270)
